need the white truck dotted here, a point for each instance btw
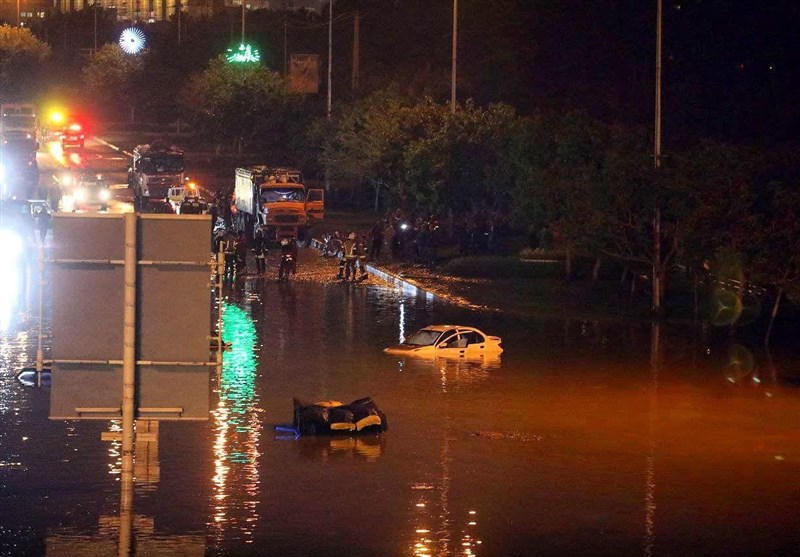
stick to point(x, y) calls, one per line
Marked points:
point(18, 121)
point(154, 170)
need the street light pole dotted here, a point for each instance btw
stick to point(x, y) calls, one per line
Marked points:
point(330, 55)
point(455, 58)
point(658, 266)
point(94, 5)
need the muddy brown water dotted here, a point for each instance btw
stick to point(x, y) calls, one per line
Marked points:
point(577, 442)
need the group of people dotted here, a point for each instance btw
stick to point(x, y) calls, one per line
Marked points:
point(235, 248)
point(352, 257)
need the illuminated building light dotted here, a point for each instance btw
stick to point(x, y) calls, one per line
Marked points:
point(473, 523)
point(420, 504)
point(132, 40)
point(421, 531)
point(245, 54)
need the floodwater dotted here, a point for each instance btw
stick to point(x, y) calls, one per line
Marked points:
point(583, 439)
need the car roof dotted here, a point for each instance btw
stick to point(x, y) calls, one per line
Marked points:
point(442, 328)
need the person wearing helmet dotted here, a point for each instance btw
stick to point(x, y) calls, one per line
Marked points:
point(350, 256)
point(285, 265)
point(260, 250)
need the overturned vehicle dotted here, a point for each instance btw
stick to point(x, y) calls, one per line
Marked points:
point(331, 417)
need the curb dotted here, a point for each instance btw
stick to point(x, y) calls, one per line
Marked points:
point(407, 286)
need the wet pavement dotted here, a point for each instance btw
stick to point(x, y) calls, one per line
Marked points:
point(584, 438)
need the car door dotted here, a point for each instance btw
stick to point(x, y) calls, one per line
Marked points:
point(315, 203)
point(451, 345)
point(476, 343)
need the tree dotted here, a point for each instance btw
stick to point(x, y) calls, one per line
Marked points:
point(366, 142)
point(564, 174)
point(238, 103)
point(113, 79)
point(21, 57)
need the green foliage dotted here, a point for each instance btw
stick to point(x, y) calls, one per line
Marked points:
point(113, 79)
point(21, 58)
point(236, 103)
point(425, 156)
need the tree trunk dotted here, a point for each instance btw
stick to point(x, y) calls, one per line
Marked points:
point(133, 111)
point(377, 196)
point(596, 269)
point(623, 276)
point(775, 307)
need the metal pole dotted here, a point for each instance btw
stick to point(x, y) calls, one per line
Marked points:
point(94, 5)
point(220, 274)
point(285, 55)
point(243, 21)
point(657, 266)
point(179, 26)
point(129, 363)
point(455, 58)
point(356, 49)
point(39, 353)
point(657, 145)
point(330, 55)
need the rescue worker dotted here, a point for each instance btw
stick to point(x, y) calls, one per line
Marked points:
point(260, 250)
point(285, 265)
point(228, 248)
point(349, 254)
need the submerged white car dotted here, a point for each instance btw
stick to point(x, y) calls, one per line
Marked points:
point(448, 341)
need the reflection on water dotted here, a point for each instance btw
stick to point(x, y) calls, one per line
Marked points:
point(586, 439)
point(237, 427)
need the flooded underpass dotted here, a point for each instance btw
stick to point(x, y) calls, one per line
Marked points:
point(584, 438)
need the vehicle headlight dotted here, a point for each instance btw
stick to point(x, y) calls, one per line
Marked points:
point(79, 194)
point(11, 244)
point(104, 195)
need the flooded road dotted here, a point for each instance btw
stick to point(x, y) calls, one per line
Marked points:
point(583, 439)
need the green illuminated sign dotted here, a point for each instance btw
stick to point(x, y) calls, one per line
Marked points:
point(243, 55)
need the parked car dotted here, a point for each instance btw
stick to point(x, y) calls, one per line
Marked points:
point(448, 341)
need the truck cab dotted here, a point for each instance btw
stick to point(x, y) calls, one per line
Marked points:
point(154, 170)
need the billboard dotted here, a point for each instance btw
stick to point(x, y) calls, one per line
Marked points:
point(173, 319)
point(304, 73)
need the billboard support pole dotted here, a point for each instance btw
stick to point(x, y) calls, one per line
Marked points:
point(129, 362)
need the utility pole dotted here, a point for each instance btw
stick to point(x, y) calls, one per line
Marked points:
point(455, 58)
point(356, 49)
point(330, 81)
point(285, 53)
point(330, 55)
point(658, 267)
point(94, 5)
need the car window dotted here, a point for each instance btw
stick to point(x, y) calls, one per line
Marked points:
point(453, 341)
point(474, 338)
point(424, 337)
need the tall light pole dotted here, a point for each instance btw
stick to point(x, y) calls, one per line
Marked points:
point(657, 143)
point(94, 5)
point(658, 264)
point(243, 4)
point(330, 55)
point(455, 58)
